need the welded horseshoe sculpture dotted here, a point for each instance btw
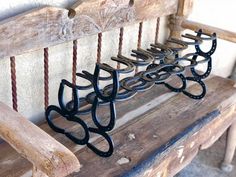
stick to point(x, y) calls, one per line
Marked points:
point(207, 55)
point(110, 98)
point(160, 62)
point(70, 112)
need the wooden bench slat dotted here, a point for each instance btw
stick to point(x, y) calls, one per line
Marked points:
point(152, 129)
point(46, 154)
point(48, 26)
point(222, 34)
point(166, 122)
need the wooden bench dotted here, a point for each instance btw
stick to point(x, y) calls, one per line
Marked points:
point(157, 133)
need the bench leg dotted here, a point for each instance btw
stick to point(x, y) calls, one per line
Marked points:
point(38, 173)
point(230, 148)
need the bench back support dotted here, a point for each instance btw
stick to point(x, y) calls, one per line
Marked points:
point(44, 27)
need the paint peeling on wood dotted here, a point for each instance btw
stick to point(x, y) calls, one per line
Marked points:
point(180, 151)
point(182, 159)
point(131, 136)
point(123, 161)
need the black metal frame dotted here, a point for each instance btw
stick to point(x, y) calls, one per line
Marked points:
point(155, 74)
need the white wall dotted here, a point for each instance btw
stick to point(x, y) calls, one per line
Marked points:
point(30, 66)
point(219, 13)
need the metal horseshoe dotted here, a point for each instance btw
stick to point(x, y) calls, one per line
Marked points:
point(201, 83)
point(122, 95)
point(209, 66)
point(158, 47)
point(81, 141)
point(95, 118)
point(196, 40)
point(115, 88)
point(130, 66)
point(143, 58)
point(180, 89)
point(211, 37)
point(182, 45)
point(64, 108)
point(101, 153)
point(129, 83)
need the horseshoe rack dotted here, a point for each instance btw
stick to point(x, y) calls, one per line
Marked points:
point(128, 118)
point(159, 63)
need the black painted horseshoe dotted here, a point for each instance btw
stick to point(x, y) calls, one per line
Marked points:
point(95, 118)
point(182, 45)
point(209, 66)
point(74, 109)
point(158, 47)
point(115, 84)
point(83, 102)
point(122, 95)
point(211, 37)
point(129, 65)
point(196, 40)
point(107, 153)
point(81, 141)
point(130, 83)
point(143, 58)
point(82, 75)
point(175, 89)
point(201, 83)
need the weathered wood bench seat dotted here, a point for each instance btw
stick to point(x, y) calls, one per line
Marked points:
point(157, 135)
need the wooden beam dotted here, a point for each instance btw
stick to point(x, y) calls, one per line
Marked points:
point(222, 34)
point(230, 149)
point(49, 157)
point(48, 26)
point(174, 127)
point(184, 9)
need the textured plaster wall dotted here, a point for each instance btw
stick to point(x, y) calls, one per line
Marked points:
point(219, 13)
point(30, 66)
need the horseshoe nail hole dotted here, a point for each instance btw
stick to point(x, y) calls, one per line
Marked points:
point(71, 13)
point(131, 3)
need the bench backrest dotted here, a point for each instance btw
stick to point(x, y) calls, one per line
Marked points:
point(42, 28)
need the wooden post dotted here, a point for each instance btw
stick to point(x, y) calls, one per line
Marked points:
point(38, 173)
point(175, 21)
point(230, 149)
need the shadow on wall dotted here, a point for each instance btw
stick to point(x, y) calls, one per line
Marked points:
point(11, 8)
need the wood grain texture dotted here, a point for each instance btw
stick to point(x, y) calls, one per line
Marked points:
point(184, 9)
point(47, 155)
point(173, 130)
point(221, 33)
point(48, 26)
point(231, 145)
point(38, 173)
point(178, 123)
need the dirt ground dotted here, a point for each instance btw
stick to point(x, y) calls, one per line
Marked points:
point(207, 162)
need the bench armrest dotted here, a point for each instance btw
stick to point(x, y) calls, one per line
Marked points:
point(46, 154)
